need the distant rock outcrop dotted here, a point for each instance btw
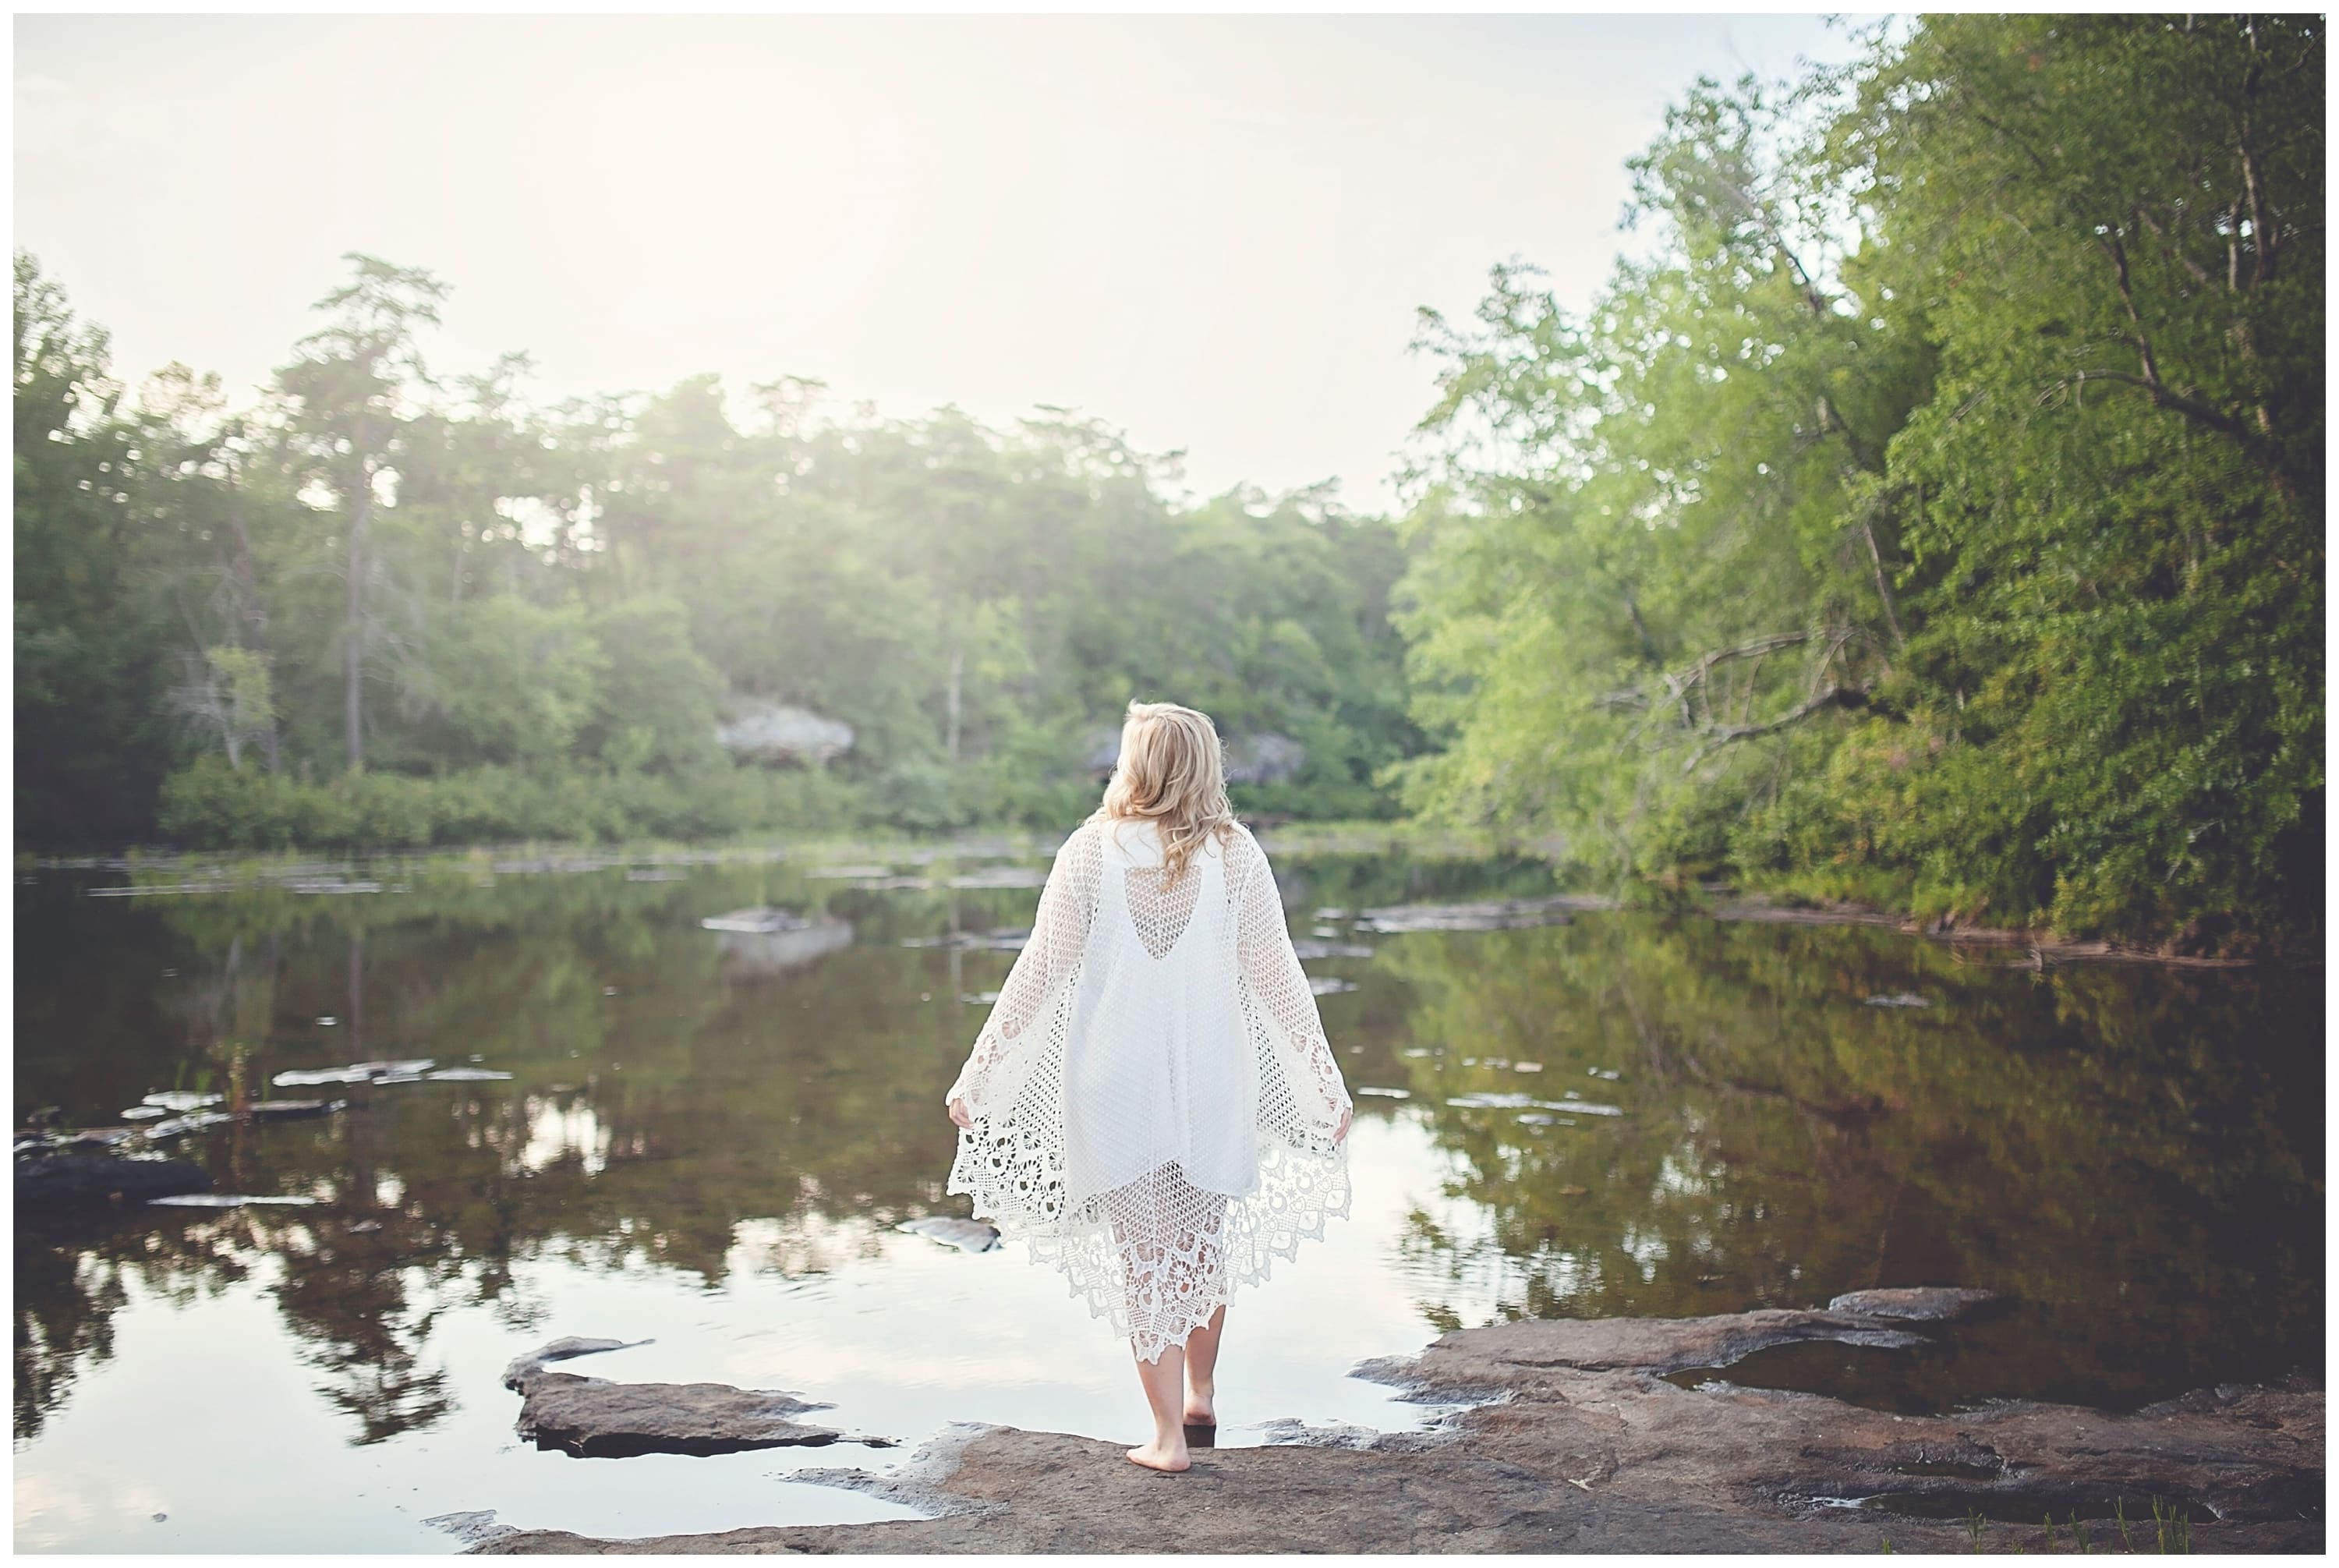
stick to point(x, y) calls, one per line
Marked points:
point(1265, 758)
point(757, 731)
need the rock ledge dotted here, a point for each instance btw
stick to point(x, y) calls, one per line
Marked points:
point(1576, 1443)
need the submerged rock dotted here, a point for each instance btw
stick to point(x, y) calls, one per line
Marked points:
point(1004, 876)
point(228, 1200)
point(180, 1126)
point(292, 1109)
point(471, 1526)
point(771, 951)
point(966, 1235)
point(1504, 915)
point(1915, 1302)
point(81, 1176)
point(1007, 939)
point(760, 921)
point(179, 1099)
point(1309, 948)
point(522, 1368)
point(405, 1071)
point(1900, 998)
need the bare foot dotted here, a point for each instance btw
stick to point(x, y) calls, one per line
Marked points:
point(1201, 1407)
point(1160, 1455)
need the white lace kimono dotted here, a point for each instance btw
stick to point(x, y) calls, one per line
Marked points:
point(1154, 1098)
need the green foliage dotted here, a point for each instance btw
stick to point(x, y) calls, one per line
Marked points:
point(90, 664)
point(514, 682)
point(1937, 514)
point(654, 704)
point(214, 804)
point(540, 616)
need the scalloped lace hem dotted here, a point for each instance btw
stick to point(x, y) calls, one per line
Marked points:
point(1157, 1257)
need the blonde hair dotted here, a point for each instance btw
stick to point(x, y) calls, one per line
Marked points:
point(1172, 774)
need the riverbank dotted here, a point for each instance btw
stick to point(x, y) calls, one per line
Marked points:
point(1573, 1438)
point(163, 872)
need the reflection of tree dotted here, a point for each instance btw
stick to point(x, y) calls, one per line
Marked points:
point(345, 1292)
point(786, 1117)
point(2089, 1142)
point(71, 1277)
point(1784, 1141)
point(65, 1302)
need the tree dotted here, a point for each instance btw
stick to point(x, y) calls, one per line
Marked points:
point(350, 392)
point(1936, 517)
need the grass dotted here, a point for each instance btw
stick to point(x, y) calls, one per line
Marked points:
point(2172, 1529)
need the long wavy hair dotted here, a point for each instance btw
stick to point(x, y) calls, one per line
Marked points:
point(1172, 774)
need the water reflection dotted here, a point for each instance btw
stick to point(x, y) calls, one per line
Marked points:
point(2134, 1154)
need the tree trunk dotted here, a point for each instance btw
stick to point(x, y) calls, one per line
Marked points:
point(255, 620)
point(353, 636)
point(950, 705)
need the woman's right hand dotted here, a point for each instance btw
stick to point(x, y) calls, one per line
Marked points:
point(958, 1114)
point(1340, 1133)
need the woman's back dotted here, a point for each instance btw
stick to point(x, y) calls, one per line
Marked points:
point(1160, 1068)
point(1153, 1096)
point(1153, 1104)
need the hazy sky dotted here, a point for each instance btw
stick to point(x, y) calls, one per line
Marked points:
point(1213, 233)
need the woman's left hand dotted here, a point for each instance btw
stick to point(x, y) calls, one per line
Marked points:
point(1340, 1133)
point(958, 1114)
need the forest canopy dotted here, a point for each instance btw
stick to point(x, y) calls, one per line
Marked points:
point(1935, 515)
point(390, 607)
point(1929, 512)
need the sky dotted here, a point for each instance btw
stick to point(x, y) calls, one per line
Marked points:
point(1212, 233)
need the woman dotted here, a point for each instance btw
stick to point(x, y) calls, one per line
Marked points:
point(1152, 1103)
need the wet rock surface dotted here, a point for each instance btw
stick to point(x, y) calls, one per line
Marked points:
point(1504, 915)
point(966, 1235)
point(1916, 1304)
point(594, 1418)
point(1578, 1444)
point(85, 1175)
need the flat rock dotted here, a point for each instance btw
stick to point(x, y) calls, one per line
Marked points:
point(180, 1099)
point(761, 921)
point(1578, 1444)
point(293, 1109)
point(1308, 949)
point(593, 1418)
point(1500, 914)
point(1915, 1302)
point(1004, 876)
point(405, 1071)
point(966, 1235)
point(83, 1175)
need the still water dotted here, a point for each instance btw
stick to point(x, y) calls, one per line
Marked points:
point(708, 1138)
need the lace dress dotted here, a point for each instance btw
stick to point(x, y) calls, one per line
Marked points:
point(1154, 1098)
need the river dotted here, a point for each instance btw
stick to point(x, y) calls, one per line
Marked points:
point(708, 1138)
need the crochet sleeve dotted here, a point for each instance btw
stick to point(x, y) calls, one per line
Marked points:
point(1060, 935)
point(1271, 969)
